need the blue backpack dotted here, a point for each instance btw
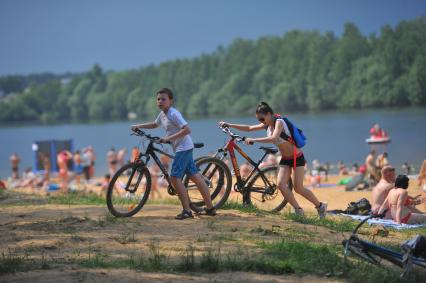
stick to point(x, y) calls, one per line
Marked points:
point(297, 136)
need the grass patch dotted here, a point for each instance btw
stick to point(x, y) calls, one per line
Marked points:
point(326, 260)
point(11, 262)
point(409, 233)
point(278, 257)
point(167, 200)
point(339, 225)
point(76, 198)
point(3, 194)
point(241, 207)
point(108, 218)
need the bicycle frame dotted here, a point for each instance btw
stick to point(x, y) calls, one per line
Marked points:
point(150, 152)
point(230, 147)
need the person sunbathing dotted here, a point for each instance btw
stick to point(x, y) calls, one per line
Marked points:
point(398, 204)
point(381, 190)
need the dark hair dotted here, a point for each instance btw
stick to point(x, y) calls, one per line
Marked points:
point(402, 181)
point(167, 91)
point(264, 108)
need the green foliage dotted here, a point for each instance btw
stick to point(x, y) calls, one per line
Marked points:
point(301, 70)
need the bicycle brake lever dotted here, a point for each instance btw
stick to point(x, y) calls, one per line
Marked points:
point(244, 138)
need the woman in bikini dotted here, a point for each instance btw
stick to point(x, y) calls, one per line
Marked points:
point(398, 203)
point(288, 164)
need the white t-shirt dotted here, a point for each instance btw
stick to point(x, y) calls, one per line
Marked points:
point(173, 122)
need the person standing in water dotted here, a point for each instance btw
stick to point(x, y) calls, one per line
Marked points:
point(275, 127)
point(177, 132)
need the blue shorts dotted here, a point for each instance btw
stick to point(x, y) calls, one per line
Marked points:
point(78, 169)
point(183, 163)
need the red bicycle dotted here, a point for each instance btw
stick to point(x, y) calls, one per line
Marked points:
point(258, 188)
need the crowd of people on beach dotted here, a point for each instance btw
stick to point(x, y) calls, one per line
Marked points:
point(76, 171)
point(77, 167)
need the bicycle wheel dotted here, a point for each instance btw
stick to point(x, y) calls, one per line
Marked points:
point(263, 191)
point(128, 190)
point(218, 178)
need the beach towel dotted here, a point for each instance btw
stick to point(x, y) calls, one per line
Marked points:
point(385, 222)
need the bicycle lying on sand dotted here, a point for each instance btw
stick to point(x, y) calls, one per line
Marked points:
point(258, 188)
point(130, 186)
point(374, 253)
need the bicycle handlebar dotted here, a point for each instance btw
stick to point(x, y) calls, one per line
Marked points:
point(233, 135)
point(138, 132)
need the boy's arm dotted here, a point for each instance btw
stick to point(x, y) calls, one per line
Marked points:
point(183, 132)
point(149, 125)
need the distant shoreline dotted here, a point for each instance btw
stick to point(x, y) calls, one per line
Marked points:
point(210, 117)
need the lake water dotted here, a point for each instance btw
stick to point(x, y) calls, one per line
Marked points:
point(332, 136)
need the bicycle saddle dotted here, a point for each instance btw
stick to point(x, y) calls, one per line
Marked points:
point(198, 144)
point(270, 150)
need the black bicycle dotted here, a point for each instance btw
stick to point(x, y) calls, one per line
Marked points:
point(129, 188)
point(258, 188)
point(374, 253)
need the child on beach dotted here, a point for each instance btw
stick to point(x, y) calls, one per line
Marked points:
point(177, 132)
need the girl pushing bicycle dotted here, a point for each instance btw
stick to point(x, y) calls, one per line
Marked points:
point(292, 158)
point(177, 133)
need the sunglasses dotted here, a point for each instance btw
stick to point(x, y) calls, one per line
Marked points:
point(261, 119)
point(161, 99)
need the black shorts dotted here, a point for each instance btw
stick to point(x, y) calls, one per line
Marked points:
point(300, 161)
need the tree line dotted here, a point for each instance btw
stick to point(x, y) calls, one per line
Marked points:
point(299, 71)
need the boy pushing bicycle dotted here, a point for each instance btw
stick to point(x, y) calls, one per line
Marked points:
point(178, 134)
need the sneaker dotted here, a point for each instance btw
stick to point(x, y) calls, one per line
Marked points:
point(184, 215)
point(299, 211)
point(211, 211)
point(322, 210)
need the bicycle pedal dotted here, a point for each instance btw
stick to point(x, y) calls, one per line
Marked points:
point(171, 190)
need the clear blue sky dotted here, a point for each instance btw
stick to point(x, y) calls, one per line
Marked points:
point(59, 36)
